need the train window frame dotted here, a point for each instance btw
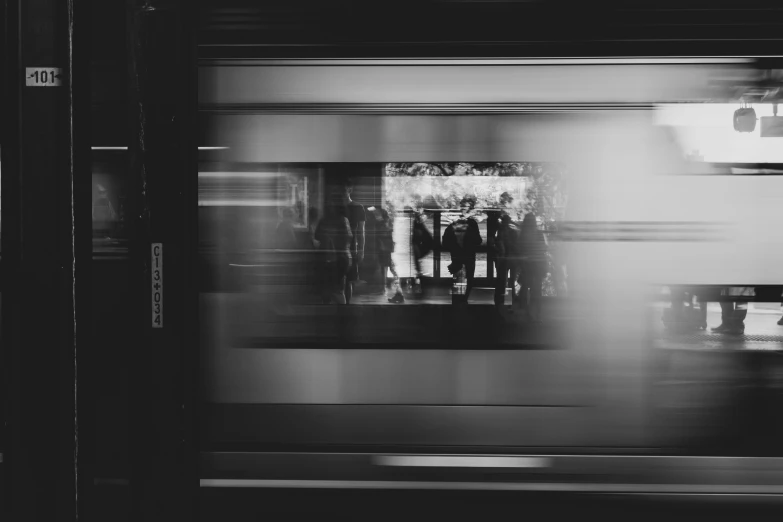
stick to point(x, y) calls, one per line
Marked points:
point(320, 175)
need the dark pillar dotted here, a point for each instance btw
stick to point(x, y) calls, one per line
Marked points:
point(162, 155)
point(45, 161)
point(436, 235)
point(492, 229)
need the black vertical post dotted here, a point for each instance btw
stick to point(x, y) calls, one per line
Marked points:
point(492, 229)
point(10, 237)
point(79, 93)
point(162, 156)
point(43, 240)
point(436, 247)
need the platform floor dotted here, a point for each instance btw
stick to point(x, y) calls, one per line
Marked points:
point(761, 331)
point(284, 318)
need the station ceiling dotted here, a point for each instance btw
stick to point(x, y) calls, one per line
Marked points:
point(462, 28)
point(296, 29)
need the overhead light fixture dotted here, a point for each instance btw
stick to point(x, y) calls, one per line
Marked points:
point(745, 119)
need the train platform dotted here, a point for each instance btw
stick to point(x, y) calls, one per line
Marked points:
point(285, 320)
point(761, 331)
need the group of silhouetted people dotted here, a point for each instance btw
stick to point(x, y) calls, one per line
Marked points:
point(521, 257)
point(519, 249)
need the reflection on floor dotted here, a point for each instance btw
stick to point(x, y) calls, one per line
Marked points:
point(430, 296)
point(265, 319)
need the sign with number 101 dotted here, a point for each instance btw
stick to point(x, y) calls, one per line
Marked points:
point(157, 285)
point(43, 76)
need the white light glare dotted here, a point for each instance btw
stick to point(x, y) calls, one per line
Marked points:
point(126, 148)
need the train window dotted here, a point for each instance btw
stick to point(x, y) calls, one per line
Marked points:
point(706, 132)
point(444, 194)
point(723, 273)
point(284, 238)
point(720, 269)
point(109, 203)
point(713, 316)
point(729, 199)
point(254, 221)
point(259, 221)
point(729, 243)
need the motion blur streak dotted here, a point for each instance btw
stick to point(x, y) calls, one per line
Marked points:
point(693, 489)
point(238, 175)
point(444, 461)
point(693, 60)
point(429, 384)
point(454, 83)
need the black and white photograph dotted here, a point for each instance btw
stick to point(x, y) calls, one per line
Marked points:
point(391, 260)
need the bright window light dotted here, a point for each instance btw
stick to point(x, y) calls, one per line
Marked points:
point(707, 129)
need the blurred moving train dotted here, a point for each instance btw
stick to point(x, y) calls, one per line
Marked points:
point(330, 395)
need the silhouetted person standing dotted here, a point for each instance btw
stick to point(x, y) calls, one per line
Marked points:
point(422, 242)
point(355, 214)
point(314, 255)
point(505, 246)
point(462, 239)
point(534, 263)
point(333, 235)
point(384, 247)
point(733, 313)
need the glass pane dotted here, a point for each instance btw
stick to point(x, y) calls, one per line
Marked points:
point(257, 226)
point(706, 133)
point(109, 202)
point(687, 317)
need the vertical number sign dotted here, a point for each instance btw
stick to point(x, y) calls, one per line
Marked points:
point(157, 285)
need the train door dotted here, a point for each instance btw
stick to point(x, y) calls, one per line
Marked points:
point(138, 224)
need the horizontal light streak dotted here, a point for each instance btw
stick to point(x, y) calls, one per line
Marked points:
point(126, 148)
point(419, 108)
point(459, 461)
point(677, 489)
point(239, 203)
point(684, 60)
point(237, 175)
